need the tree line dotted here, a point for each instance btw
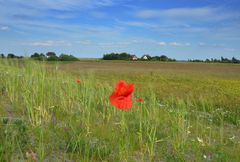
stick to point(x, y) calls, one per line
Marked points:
point(127, 56)
point(49, 56)
point(222, 60)
point(10, 55)
point(147, 57)
point(52, 56)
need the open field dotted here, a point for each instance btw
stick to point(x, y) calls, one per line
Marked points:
point(190, 112)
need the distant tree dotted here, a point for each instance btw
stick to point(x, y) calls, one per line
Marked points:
point(35, 55)
point(221, 60)
point(19, 57)
point(65, 57)
point(198, 60)
point(10, 55)
point(124, 56)
point(51, 54)
point(225, 60)
point(42, 57)
point(171, 60)
point(195, 60)
point(52, 58)
point(207, 60)
point(163, 58)
point(155, 58)
point(2, 55)
point(235, 61)
point(117, 56)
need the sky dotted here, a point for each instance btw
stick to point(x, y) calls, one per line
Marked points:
point(181, 29)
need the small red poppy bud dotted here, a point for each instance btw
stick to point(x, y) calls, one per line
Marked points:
point(140, 100)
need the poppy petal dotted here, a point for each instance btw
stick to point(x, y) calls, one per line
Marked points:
point(121, 102)
point(121, 96)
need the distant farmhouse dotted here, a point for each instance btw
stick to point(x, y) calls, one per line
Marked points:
point(134, 58)
point(145, 57)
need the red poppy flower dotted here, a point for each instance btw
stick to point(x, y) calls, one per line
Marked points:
point(122, 95)
point(78, 81)
point(140, 100)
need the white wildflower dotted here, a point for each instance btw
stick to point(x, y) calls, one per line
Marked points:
point(200, 140)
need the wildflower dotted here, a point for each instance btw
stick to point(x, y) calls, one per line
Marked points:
point(122, 95)
point(200, 140)
point(232, 138)
point(140, 100)
point(31, 155)
point(161, 105)
point(78, 81)
point(65, 83)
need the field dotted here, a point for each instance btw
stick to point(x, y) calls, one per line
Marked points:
point(189, 112)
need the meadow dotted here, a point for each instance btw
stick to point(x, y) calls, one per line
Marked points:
point(61, 112)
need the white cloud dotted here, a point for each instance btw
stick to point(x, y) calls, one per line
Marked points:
point(4, 28)
point(65, 5)
point(114, 44)
point(209, 45)
point(201, 44)
point(16, 10)
point(98, 14)
point(200, 14)
point(230, 49)
point(162, 43)
point(84, 42)
point(176, 12)
point(48, 43)
point(175, 44)
point(137, 24)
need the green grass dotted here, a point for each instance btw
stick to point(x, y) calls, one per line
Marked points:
point(185, 116)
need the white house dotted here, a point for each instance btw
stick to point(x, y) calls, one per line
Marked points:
point(145, 57)
point(134, 57)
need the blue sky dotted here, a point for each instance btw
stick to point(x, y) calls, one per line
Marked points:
point(182, 29)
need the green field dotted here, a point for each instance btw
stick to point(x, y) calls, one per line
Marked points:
point(190, 111)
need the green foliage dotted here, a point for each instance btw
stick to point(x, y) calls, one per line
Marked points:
point(65, 57)
point(163, 58)
point(117, 56)
point(10, 55)
point(158, 58)
point(13, 135)
point(37, 56)
point(52, 58)
point(222, 60)
point(51, 54)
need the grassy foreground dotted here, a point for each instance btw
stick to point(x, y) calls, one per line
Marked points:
point(185, 116)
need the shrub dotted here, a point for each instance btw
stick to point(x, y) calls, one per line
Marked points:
point(52, 58)
point(65, 57)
